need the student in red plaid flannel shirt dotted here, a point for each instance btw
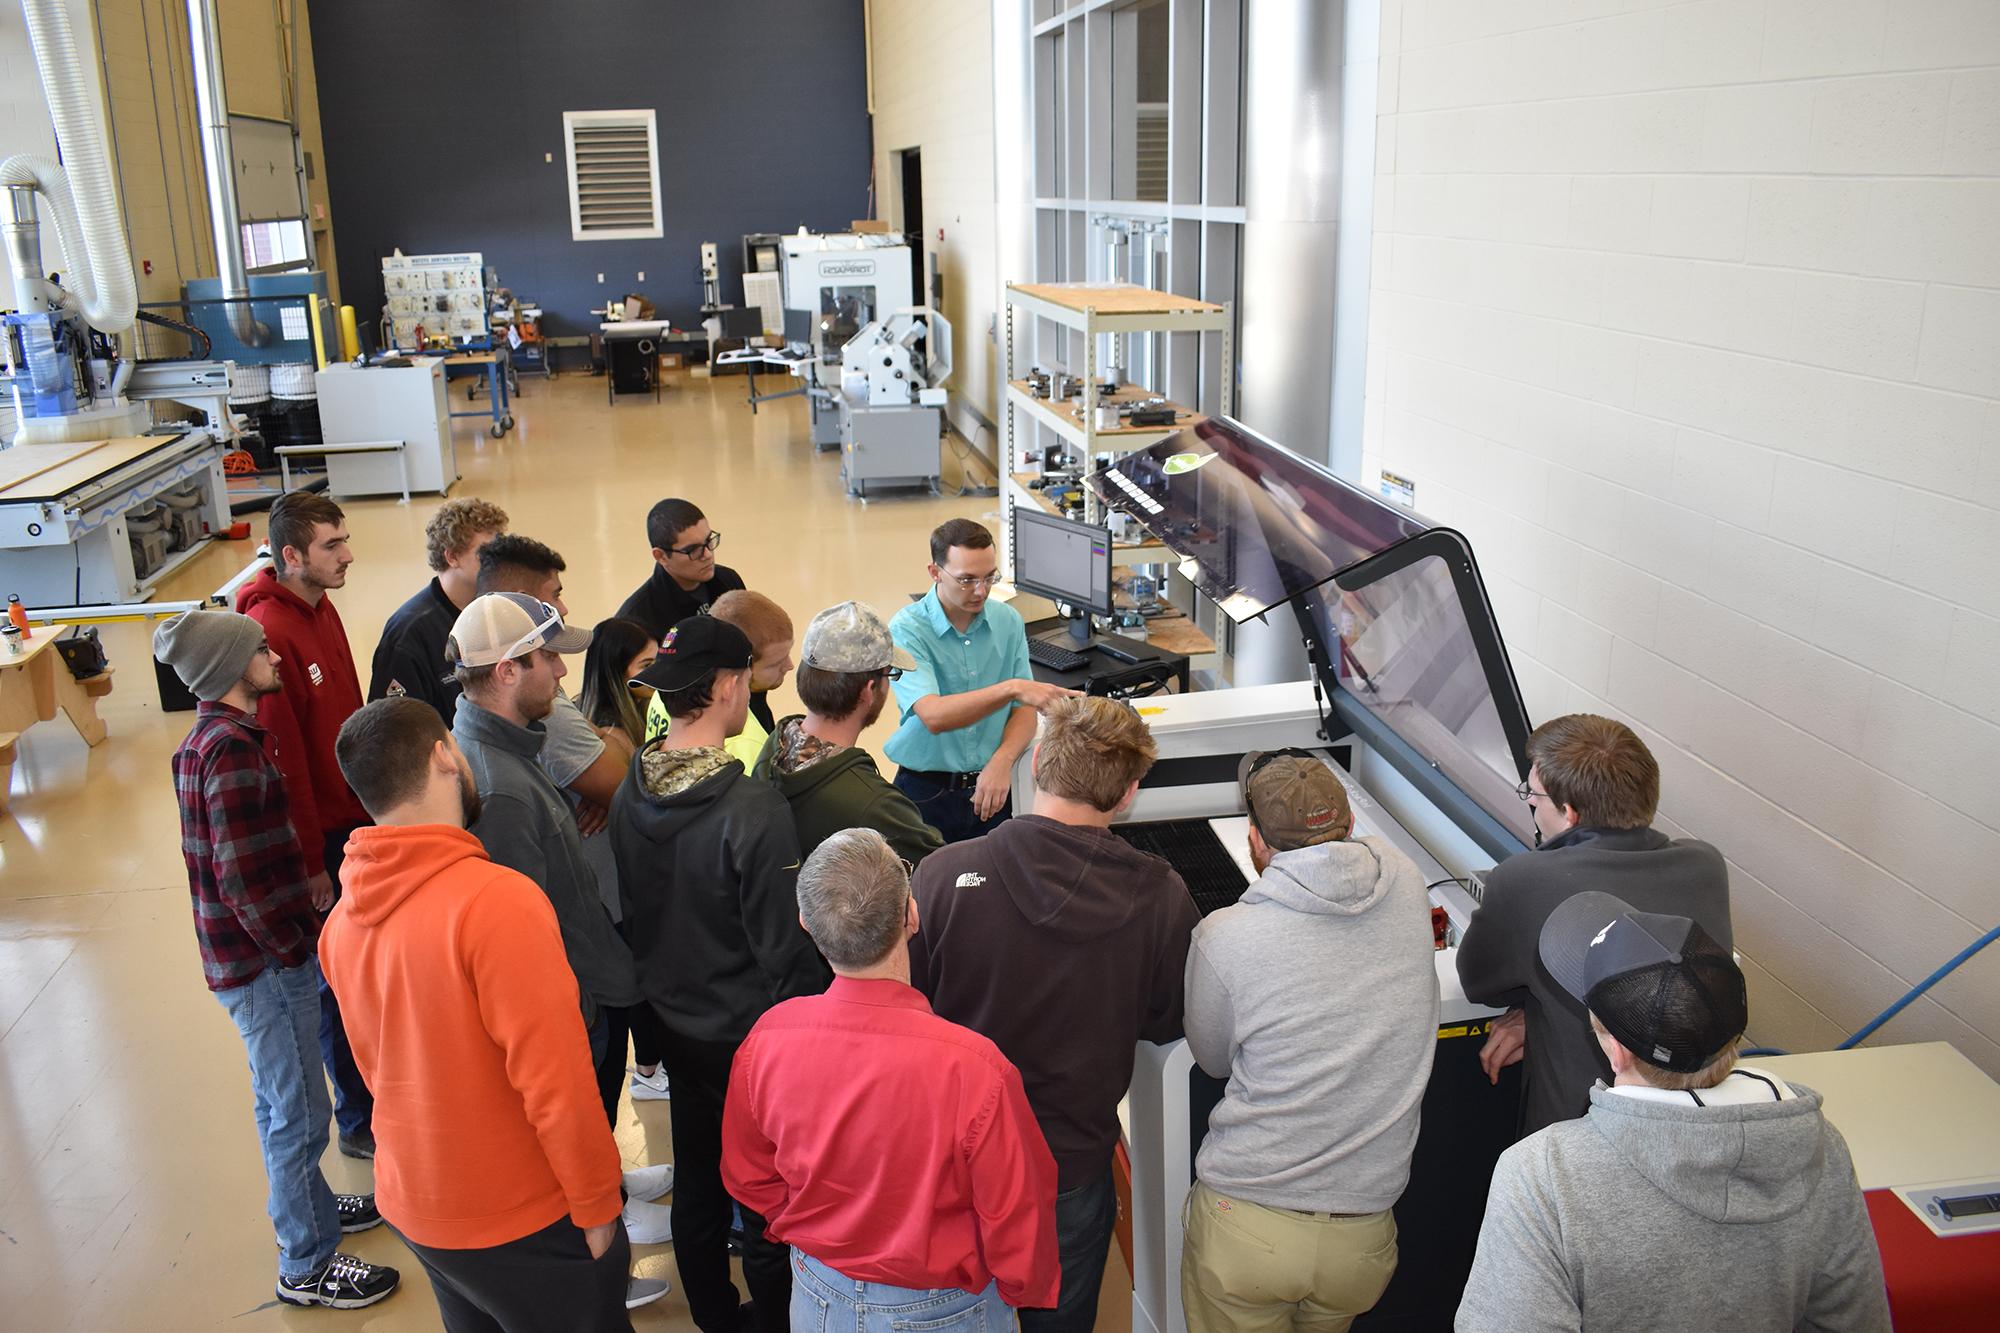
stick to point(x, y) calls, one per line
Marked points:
point(257, 930)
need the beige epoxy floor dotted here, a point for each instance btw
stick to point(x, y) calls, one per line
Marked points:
point(131, 1191)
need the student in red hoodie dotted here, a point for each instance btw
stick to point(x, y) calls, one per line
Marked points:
point(309, 556)
point(495, 1164)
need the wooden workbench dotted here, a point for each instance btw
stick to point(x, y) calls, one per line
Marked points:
point(35, 683)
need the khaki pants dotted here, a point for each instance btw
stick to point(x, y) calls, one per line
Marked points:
point(1246, 1268)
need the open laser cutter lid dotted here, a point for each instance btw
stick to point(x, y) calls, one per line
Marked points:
point(1391, 606)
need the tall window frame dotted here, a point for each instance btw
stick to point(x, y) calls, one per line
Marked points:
point(1097, 104)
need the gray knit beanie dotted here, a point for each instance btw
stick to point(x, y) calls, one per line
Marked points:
point(208, 650)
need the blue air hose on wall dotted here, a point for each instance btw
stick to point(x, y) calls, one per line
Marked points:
point(1868, 1029)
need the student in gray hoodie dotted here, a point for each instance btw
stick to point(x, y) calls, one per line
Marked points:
point(1310, 1148)
point(1695, 1194)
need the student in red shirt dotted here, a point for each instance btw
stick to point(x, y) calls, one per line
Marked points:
point(895, 1152)
point(309, 558)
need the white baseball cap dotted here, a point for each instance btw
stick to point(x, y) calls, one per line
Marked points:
point(501, 626)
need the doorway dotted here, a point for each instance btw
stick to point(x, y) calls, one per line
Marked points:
point(910, 163)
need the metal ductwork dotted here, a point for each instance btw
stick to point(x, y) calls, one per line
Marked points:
point(218, 160)
point(1291, 248)
point(97, 267)
point(21, 237)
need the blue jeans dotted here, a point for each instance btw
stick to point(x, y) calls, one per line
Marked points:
point(1084, 1218)
point(947, 809)
point(278, 1014)
point(826, 1301)
point(353, 1104)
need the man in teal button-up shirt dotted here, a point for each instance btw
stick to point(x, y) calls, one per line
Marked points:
point(968, 709)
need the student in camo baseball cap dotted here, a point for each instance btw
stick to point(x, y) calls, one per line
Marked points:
point(851, 637)
point(816, 762)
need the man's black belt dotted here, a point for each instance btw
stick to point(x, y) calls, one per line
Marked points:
point(949, 781)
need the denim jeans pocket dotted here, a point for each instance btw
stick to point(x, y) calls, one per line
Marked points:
point(968, 1312)
point(808, 1306)
point(300, 981)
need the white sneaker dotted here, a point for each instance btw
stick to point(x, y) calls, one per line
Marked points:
point(650, 1087)
point(644, 1291)
point(649, 1223)
point(647, 1183)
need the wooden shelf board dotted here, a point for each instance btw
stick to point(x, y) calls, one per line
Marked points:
point(1114, 300)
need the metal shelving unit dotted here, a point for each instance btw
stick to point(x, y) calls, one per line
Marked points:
point(1095, 310)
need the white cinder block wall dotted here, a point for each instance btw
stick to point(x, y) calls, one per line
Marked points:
point(1689, 316)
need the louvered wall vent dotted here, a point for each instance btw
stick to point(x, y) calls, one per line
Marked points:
point(614, 175)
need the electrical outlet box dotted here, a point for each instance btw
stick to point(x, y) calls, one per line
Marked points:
point(642, 275)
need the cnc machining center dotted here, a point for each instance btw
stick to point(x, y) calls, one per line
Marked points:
point(844, 281)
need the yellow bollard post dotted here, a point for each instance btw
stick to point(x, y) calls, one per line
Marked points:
point(350, 336)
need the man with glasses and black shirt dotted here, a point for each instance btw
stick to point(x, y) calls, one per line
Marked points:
point(816, 762)
point(1593, 788)
point(967, 708)
point(685, 580)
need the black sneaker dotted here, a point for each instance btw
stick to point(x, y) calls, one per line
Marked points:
point(346, 1283)
point(361, 1145)
point(357, 1212)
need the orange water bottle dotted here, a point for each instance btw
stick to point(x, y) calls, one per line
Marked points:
point(17, 615)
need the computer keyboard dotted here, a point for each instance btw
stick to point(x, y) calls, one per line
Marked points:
point(1054, 656)
point(1213, 878)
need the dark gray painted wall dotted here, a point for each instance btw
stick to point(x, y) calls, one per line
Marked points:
point(437, 115)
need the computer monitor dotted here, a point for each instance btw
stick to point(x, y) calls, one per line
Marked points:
point(1065, 561)
point(798, 328)
point(743, 322)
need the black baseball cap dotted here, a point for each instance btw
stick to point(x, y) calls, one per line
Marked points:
point(1660, 984)
point(694, 648)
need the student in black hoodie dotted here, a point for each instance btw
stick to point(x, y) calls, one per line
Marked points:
point(685, 580)
point(708, 868)
point(1066, 947)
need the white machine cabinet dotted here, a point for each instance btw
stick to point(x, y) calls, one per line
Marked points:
point(362, 404)
point(1412, 703)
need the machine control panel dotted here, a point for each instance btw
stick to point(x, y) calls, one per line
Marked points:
point(1955, 1208)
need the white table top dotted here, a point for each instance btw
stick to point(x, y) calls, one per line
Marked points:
point(1910, 1114)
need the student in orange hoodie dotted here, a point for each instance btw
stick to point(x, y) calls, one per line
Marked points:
point(493, 1161)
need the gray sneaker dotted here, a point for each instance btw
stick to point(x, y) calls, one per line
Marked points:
point(644, 1291)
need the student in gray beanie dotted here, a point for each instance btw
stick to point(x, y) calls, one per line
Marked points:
point(208, 650)
point(258, 933)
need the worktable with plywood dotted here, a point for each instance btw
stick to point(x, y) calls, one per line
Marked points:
point(34, 684)
point(50, 473)
point(64, 510)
